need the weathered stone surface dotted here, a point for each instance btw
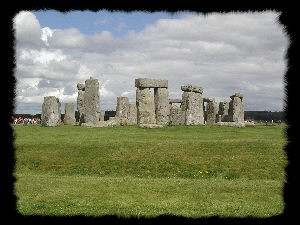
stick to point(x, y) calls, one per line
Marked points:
point(118, 121)
point(51, 111)
point(101, 115)
point(91, 101)
point(150, 83)
point(219, 118)
point(248, 123)
point(59, 108)
point(162, 107)
point(209, 100)
point(175, 100)
point(192, 88)
point(150, 126)
point(177, 116)
point(231, 124)
point(236, 110)
point(132, 114)
point(122, 107)
point(223, 111)
point(81, 87)
point(211, 109)
point(239, 95)
point(80, 104)
point(69, 118)
point(145, 106)
point(193, 106)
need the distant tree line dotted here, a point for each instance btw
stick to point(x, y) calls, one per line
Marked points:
point(249, 115)
point(264, 115)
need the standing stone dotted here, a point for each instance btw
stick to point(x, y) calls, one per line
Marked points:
point(101, 115)
point(192, 104)
point(211, 109)
point(145, 106)
point(177, 116)
point(223, 111)
point(59, 108)
point(91, 101)
point(122, 107)
point(69, 114)
point(236, 108)
point(80, 101)
point(162, 108)
point(51, 111)
point(132, 115)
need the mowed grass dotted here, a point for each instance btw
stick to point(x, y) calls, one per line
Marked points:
point(190, 171)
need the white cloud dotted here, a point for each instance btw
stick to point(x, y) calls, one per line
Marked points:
point(27, 29)
point(223, 53)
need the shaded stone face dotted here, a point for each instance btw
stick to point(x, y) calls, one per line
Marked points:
point(212, 110)
point(51, 111)
point(122, 107)
point(101, 115)
point(81, 87)
point(132, 114)
point(80, 104)
point(193, 106)
point(162, 107)
point(177, 116)
point(69, 118)
point(236, 110)
point(223, 111)
point(91, 101)
point(150, 83)
point(145, 106)
point(175, 100)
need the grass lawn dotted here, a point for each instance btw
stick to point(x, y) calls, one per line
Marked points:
point(191, 171)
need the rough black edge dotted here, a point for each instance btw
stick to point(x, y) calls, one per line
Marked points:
point(287, 19)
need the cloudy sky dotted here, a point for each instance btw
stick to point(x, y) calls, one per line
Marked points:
point(223, 53)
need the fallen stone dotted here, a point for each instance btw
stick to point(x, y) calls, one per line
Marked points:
point(150, 126)
point(231, 124)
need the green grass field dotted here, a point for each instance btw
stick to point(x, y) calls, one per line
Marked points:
point(191, 171)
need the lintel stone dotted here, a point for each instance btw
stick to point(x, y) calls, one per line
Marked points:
point(192, 88)
point(150, 83)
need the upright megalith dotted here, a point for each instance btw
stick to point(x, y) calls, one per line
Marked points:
point(223, 111)
point(122, 107)
point(212, 111)
point(177, 116)
point(91, 101)
point(69, 118)
point(192, 104)
point(145, 106)
point(132, 114)
point(80, 101)
point(51, 111)
point(162, 108)
point(152, 110)
point(101, 115)
point(236, 108)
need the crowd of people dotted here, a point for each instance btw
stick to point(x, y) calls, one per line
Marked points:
point(21, 120)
